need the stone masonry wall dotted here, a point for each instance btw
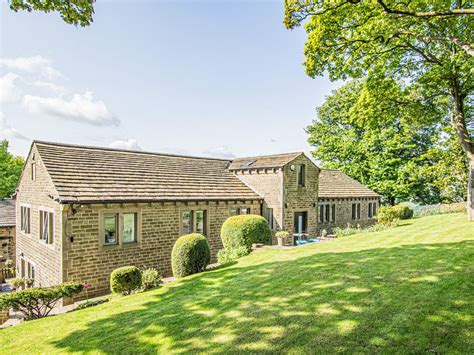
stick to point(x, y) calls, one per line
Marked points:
point(299, 199)
point(36, 194)
point(344, 213)
point(7, 244)
point(86, 259)
point(269, 184)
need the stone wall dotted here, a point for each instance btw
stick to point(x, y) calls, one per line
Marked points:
point(36, 194)
point(344, 213)
point(86, 259)
point(269, 184)
point(7, 244)
point(300, 198)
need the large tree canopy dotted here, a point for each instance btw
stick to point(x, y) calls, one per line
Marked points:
point(10, 170)
point(399, 160)
point(424, 44)
point(75, 12)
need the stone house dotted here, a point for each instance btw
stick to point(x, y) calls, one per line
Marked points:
point(82, 211)
point(343, 201)
point(7, 230)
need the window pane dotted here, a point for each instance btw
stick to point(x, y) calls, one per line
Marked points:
point(110, 226)
point(327, 213)
point(321, 213)
point(333, 213)
point(200, 222)
point(358, 211)
point(245, 211)
point(234, 211)
point(187, 222)
point(129, 227)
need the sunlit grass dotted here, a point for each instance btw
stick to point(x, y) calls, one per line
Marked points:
point(404, 290)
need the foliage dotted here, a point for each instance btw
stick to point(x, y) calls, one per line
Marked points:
point(399, 291)
point(282, 234)
point(190, 255)
point(394, 157)
point(38, 302)
point(125, 280)
point(10, 170)
point(432, 56)
point(16, 283)
point(350, 230)
point(388, 214)
point(75, 12)
point(150, 278)
point(423, 211)
point(9, 263)
point(226, 255)
point(29, 282)
point(245, 230)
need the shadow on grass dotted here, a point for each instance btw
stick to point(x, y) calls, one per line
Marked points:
point(415, 298)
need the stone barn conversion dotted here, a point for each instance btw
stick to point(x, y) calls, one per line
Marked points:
point(83, 211)
point(344, 201)
point(7, 230)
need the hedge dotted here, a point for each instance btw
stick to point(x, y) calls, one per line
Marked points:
point(389, 214)
point(38, 302)
point(125, 280)
point(191, 254)
point(245, 230)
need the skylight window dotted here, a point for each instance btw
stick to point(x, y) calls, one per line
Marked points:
point(248, 163)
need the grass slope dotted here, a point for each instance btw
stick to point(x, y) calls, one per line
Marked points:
point(406, 290)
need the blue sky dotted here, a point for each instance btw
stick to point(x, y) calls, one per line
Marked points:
point(212, 78)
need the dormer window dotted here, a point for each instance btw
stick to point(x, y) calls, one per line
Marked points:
point(301, 175)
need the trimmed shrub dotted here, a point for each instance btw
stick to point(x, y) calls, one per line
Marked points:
point(125, 280)
point(282, 234)
point(38, 302)
point(225, 256)
point(150, 278)
point(244, 230)
point(388, 214)
point(191, 254)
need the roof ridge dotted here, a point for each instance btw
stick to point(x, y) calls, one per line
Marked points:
point(78, 146)
point(268, 155)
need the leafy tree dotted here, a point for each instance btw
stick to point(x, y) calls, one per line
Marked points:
point(10, 170)
point(75, 12)
point(401, 161)
point(426, 44)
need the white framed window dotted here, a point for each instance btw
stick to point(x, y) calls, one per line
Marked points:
point(194, 221)
point(129, 228)
point(327, 213)
point(25, 219)
point(111, 228)
point(239, 210)
point(46, 226)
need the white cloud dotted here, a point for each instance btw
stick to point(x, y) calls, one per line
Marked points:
point(219, 152)
point(34, 64)
point(81, 108)
point(57, 89)
point(7, 131)
point(9, 92)
point(127, 144)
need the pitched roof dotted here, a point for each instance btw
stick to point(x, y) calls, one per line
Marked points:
point(92, 174)
point(7, 213)
point(336, 184)
point(263, 161)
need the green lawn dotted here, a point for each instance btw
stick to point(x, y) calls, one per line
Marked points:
point(406, 290)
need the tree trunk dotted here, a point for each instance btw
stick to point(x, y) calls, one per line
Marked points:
point(459, 122)
point(470, 192)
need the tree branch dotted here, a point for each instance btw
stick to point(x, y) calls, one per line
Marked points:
point(441, 13)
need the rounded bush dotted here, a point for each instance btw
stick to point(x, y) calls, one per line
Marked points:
point(389, 214)
point(125, 280)
point(244, 230)
point(282, 234)
point(150, 278)
point(191, 254)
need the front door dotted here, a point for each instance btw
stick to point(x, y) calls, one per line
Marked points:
point(301, 222)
